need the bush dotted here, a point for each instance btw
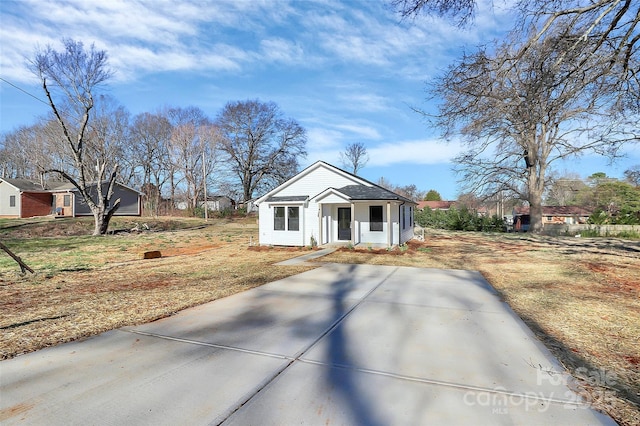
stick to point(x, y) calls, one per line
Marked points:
point(461, 219)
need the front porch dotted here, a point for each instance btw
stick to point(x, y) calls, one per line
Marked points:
point(357, 223)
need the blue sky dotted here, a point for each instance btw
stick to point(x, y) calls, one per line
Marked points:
point(347, 71)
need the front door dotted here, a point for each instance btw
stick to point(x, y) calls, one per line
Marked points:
point(344, 223)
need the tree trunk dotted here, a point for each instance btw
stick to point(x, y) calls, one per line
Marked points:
point(535, 203)
point(99, 225)
point(102, 218)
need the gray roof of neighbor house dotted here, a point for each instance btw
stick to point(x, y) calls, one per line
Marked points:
point(68, 186)
point(26, 185)
point(31, 186)
point(555, 211)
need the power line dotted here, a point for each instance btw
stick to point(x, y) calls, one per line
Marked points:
point(24, 91)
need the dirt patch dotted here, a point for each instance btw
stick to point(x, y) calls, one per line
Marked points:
point(188, 251)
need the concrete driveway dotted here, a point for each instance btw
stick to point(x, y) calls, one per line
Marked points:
point(341, 344)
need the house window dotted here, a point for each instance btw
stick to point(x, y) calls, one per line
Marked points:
point(67, 201)
point(278, 218)
point(411, 217)
point(293, 218)
point(12, 200)
point(404, 217)
point(375, 218)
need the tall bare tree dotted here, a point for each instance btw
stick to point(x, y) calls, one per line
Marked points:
point(354, 157)
point(151, 135)
point(193, 140)
point(611, 28)
point(261, 145)
point(109, 138)
point(519, 113)
point(70, 79)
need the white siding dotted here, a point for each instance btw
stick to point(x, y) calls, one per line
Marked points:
point(270, 236)
point(265, 224)
point(316, 181)
point(407, 230)
point(312, 182)
point(364, 235)
point(7, 191)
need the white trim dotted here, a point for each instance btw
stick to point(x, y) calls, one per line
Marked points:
point(330, 191)
point(308, 170)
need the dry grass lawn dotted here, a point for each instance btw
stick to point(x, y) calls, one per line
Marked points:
point(580, 296)
point(86, 285)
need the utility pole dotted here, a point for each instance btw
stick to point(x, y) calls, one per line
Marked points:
point(204, 184)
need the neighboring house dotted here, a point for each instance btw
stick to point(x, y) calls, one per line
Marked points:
point(437, 205)
point(551, 215)
point(215, 203)
point(325, 205)
point(249, 205)
point(24, 198)
point(68, 201)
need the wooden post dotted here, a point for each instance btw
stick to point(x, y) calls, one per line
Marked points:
point(23, 266)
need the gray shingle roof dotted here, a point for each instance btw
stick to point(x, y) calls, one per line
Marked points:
point(361, 192)
point(25, 185)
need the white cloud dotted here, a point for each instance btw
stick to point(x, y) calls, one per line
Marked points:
point(322, 138)
point(413, 152)
point(360, 131)
point(281, 50)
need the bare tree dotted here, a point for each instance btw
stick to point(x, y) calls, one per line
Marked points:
point(611, 28)
point(385, 183)
point(192, 141)
point(151, 135)
point(564, 190)
point(354, 157)
point(520, 113)
point(70, 79)
point(460, 10)
point(632, 175)
point(261, 145)
point(18, 152)
point(109, 138)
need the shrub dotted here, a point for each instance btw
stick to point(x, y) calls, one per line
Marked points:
point(461, 219)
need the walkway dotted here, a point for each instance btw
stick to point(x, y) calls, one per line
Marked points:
point(341, 344)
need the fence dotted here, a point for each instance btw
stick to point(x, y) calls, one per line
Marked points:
point(601, 230)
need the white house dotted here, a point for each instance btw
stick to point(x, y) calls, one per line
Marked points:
point(326, 205)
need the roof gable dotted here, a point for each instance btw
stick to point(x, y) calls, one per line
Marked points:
point(331, 192)
point(357, 188)
point(306, 172)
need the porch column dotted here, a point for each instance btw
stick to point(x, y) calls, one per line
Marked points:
point(389, 227)
point(320, 242)
point(353, 222)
